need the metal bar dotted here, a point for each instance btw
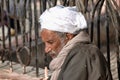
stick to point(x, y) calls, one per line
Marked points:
point(23, 27)
point(64, 3)
point(55, 2)
point(98, 24)
point(86, 5)
point(15, 23)
point(2, 24)
point(118, 65)
point(40, 1)
point(3, 32)
point(30, 23)
point(22, 20)
point(36, 38)
point(44, 4)
point(9, 37)
point(107, 38)
point(92, 21)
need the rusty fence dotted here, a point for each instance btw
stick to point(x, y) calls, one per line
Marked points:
point(19, 24)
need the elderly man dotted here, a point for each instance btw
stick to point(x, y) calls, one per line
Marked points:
point(63, 30)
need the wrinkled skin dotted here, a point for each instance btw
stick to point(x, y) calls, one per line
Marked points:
point(53, 42)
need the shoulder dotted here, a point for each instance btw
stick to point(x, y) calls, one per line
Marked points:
point(85, 48)
point(82, 51)
point(85, 52)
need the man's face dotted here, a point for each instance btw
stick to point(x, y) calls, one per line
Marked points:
point(53, 42)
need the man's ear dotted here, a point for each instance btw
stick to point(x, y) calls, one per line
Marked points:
point(69, 36)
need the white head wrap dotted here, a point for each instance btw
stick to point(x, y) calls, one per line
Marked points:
point(63, 19)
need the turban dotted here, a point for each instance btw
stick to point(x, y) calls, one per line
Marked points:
point(63, 19)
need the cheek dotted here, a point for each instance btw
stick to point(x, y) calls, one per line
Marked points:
point(58, 46)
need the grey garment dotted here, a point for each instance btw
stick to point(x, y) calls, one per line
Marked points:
point(85, 62)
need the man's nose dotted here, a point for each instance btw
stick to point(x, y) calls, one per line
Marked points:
point(47, 49)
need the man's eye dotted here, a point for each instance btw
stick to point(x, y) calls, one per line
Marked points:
point(50, 42)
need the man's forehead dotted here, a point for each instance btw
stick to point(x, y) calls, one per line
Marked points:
point(46, 31)
point(48, 34)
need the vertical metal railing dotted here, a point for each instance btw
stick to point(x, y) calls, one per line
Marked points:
point(113, 15)
point(107, 37)
point(3, 34)
point(110, 18)
point(36, 37)
point(9, 37)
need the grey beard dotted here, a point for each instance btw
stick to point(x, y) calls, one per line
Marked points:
point(53, 54)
